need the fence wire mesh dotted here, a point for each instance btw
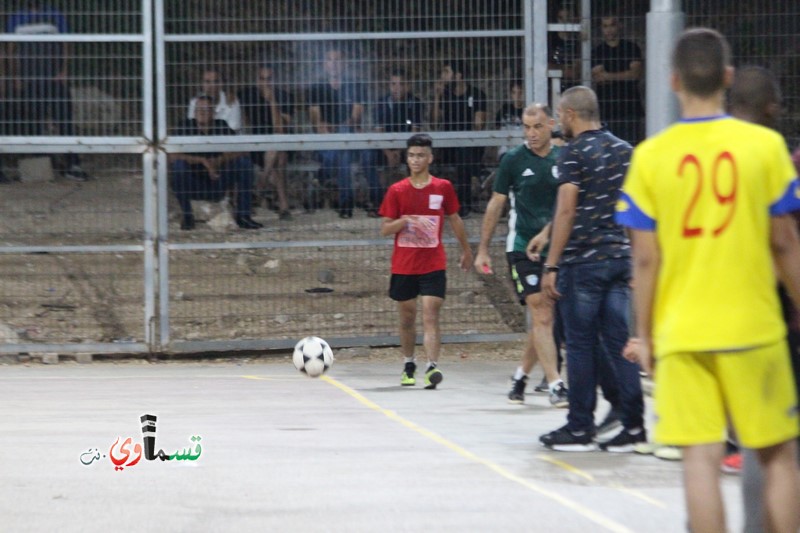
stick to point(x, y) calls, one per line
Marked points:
point(87, 87)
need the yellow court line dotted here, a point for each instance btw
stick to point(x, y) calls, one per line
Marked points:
point(597, 518)
point(578, 472)
point(566, 466)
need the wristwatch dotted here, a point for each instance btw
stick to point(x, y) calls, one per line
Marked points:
point(550, 268)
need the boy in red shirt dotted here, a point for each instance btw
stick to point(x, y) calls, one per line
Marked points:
point(414, 210)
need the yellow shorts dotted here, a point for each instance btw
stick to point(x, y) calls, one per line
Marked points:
point(697, 393)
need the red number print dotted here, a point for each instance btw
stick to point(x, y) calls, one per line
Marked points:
point(724, 195)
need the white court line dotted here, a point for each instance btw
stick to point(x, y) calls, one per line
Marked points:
point(586, 512)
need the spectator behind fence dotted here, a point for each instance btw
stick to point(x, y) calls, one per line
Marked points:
point(616, 71)
point(509, 116)
point(337, 106)
point(562, 50)
point(459, 106)
point(226, 107)
point(267, 110)
point(398, 111)
point(208, 176)
point(40, 73)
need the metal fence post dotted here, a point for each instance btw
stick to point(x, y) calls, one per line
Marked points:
point(665, 21)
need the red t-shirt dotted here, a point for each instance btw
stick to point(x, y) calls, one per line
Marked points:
point(419, 251)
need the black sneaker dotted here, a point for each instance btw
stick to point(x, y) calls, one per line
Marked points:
point(245, 222)
point(560, 396)
point(187, 222)
point(564, 440)
point(517, 393)
point(609, 425)
point(75, 173)
point(407, 379)
point(543, 386)
point(625, 441)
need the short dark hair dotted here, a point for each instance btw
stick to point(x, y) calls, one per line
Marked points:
point(700, 58)
point(458, 66)
point(420, 139)
point(398, 72)
point(754, 88)
point(516, 83)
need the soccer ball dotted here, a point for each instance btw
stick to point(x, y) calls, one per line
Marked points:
point(312, 356)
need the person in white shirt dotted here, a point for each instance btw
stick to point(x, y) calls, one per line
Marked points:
point(226, 107)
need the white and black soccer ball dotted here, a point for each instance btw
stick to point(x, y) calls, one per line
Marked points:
point(312, 356)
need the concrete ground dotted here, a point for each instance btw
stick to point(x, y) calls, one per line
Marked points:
point(349, 452)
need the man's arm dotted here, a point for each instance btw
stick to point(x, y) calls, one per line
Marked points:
point(390, 226)
point(634, 72)
point(480, 121)
point(461, 234)
point(646, 267)
point(315, 114)
point(566, 206)
point(785, 247)
point(483, 262)
point(355, 116)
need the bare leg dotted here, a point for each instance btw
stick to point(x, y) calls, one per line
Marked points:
point(432, 339)
point(408, 320)
point(275, 165)
point(781, 487)
point(529, 355)
point(701, 481)
point(541, 309)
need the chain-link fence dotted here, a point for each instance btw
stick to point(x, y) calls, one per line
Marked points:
point(118, 236)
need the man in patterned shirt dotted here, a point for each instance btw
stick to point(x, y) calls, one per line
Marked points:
point(589, 269)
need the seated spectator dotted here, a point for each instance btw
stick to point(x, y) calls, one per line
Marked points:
point(397, 111)
point(40, 73)
point(460, 106)
point(208, 176)
point(225, 107)
point(267, 110)
point(337, 106)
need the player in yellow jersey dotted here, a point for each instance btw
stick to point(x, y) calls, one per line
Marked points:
point(707, 202)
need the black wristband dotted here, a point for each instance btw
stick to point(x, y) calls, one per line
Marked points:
point(550, 268)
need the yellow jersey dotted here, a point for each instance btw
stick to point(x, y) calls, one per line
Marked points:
point(708, 188)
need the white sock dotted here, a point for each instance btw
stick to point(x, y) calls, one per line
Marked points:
point(431, 364)
point(552, 386)
point(408, 359)
point(519, 373)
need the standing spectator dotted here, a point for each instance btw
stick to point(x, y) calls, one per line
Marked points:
point(226, 107)
point(526, 175)
point(268, 110)
point(459, 106)
point(589, 263)
point(399, 111)
point(616, 71)
point(562, 50)
point(337, 106)
point(40, 73)
point(209, 176)
point(414, 211)
point(509, 116)
point(707, 253)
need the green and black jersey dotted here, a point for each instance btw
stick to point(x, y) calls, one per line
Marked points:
point(532, 182)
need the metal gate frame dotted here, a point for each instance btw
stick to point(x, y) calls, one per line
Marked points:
point(131, 145)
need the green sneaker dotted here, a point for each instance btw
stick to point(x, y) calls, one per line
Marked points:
point(433, 377)
point(407, 379)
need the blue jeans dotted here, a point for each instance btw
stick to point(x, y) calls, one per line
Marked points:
point(595, 310)
point(336, 168)
point(191, 182)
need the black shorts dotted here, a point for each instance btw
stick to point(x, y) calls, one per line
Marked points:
point(404, 287)
point(526, 275)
